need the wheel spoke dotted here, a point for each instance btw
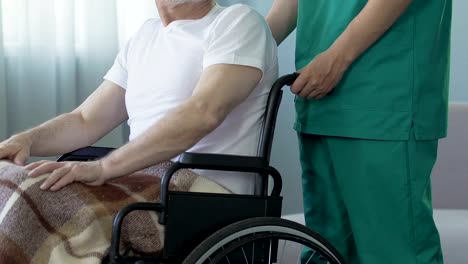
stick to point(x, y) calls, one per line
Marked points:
point(282, 251)
point(253, 252)
point(310, 258)
point(245, 256)
point(270, 252)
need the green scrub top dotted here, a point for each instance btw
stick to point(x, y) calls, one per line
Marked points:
point(399, 83)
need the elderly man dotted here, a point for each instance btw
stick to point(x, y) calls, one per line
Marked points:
point(197, 79)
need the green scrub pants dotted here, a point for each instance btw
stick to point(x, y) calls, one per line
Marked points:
point(371, 199)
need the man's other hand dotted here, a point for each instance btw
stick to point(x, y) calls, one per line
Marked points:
point(16, 149)
point(65, 173)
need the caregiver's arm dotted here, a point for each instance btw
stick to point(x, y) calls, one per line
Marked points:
point(220, 89)
point(326, 70)
point(366, 28)
point(97, 116)
point(282, 19)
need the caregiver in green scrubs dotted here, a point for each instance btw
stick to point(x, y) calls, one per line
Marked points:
point(371, 105)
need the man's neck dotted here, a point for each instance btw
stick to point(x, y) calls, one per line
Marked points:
point(169, 12)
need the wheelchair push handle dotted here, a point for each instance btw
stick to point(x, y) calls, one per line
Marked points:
point(286, 80)
point(274, 101)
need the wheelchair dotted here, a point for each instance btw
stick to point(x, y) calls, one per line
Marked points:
point(228, 228)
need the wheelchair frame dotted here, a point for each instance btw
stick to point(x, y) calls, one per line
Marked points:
point(174, 207)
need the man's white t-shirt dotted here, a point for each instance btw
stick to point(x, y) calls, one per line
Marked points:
point(160, 67)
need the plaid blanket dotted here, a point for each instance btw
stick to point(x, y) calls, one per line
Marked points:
point(74, 224)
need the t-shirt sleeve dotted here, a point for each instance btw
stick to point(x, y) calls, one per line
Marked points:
point(118, 72)
point(240, 36)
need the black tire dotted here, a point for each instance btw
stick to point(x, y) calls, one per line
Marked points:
point(234, 236)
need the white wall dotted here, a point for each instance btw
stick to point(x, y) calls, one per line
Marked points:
point(459, 70)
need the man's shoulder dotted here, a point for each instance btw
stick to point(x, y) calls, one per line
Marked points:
point(241, 13)
point(239, 8)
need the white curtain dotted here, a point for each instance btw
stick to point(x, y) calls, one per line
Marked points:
point(53, 54)
point(3, 93)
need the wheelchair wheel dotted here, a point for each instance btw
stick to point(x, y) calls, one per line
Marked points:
point(263, 240)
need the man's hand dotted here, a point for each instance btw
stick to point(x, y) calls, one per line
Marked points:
point(65, 173)
point(16, 149)
point(321, 76)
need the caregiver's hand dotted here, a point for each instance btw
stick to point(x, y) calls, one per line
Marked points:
point(321, 75)
point(16, 148)
point(65, 173)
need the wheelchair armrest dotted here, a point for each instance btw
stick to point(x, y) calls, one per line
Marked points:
point(85, 154)
point(221, 162)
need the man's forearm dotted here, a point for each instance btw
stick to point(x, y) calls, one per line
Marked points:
point(282, 19)
point(171, 136)
point(371, 23)
point(82, 127)
point(62, 134)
